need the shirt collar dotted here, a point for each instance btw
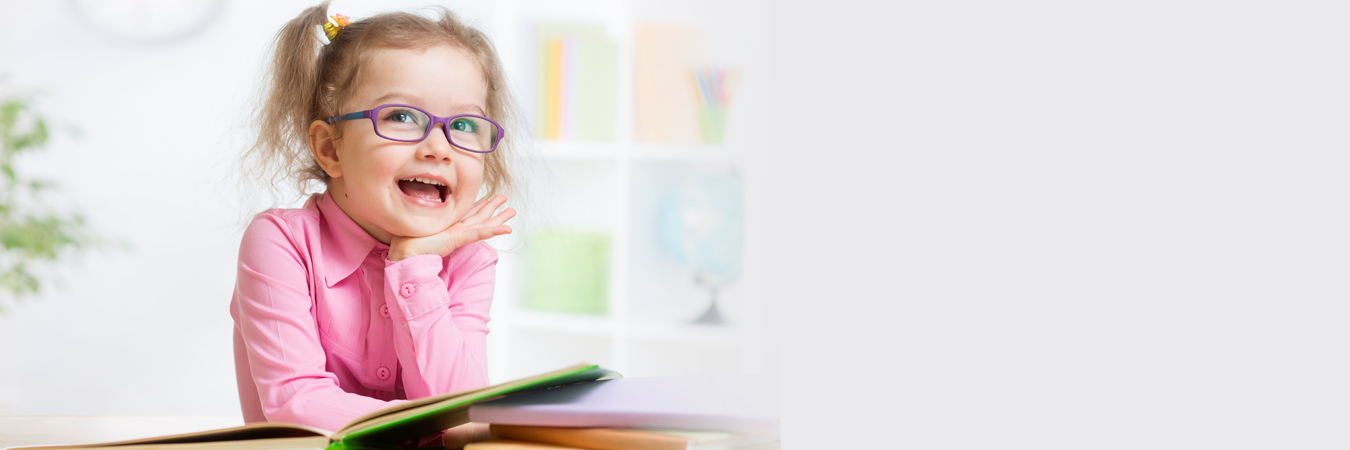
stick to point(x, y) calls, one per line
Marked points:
point(345, 244)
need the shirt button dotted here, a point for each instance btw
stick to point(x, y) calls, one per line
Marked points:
point(408, 290)
point(384, 310)
point(382, 373)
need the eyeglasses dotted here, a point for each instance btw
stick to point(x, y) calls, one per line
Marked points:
point(407, 123)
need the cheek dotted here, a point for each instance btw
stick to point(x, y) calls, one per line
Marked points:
point(470, 179)
point(369, 166)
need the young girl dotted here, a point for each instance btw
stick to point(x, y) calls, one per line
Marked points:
point(377, 290)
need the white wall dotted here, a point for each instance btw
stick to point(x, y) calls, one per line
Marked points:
point(1067, 225)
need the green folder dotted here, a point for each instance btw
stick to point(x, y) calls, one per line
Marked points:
point(569, 272)
point(380, 430)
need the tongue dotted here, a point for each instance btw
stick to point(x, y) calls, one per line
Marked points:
point(420, 190)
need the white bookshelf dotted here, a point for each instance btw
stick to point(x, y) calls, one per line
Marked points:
point(612, 187)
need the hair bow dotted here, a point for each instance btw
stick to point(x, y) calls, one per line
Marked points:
point(332, 28)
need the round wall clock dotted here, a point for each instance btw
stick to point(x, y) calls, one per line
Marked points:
point(147, 21)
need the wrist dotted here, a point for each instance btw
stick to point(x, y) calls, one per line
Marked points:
point(398, 251)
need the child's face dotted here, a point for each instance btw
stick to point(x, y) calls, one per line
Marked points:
point(373, 185)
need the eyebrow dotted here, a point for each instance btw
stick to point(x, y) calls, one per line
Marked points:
point(416, 101)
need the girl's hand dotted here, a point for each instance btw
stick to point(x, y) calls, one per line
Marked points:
point(477, 225)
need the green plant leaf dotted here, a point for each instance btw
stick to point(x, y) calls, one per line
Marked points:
point(30, 236)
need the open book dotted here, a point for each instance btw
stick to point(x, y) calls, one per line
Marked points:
point(380, 430)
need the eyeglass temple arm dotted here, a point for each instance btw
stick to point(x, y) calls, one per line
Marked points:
point(352, 116)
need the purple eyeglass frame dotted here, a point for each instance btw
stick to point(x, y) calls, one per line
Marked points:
point(444, 121)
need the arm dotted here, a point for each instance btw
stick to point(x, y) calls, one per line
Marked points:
point(274, 310)
point(441, 325)
point(440, 328)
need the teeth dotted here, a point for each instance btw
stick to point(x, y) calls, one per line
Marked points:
point(424, 180)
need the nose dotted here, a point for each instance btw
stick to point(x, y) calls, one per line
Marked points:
point(436, 147)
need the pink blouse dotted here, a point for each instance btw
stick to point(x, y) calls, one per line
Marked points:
point(327, 329)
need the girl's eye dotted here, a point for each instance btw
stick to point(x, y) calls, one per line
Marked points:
point(404, 116)
point(464, 125)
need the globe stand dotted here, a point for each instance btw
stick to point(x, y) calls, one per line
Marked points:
point(712, 316)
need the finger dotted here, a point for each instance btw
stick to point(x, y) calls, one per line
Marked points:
point(485, 211)
point(465, 237)
point(458, 437)
point(473, 210)
point(506, 215)
point(477, 207)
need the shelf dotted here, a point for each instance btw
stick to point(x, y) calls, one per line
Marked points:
point(578, 150)
point(604, 326)
point(565, 150)
point(685, 152)
point(578, 324)
point(687, 333)
point(618, 187)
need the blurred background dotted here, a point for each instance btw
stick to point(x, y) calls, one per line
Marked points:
point(637, 246)
point(1052, 223)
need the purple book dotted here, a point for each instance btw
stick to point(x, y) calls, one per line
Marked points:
point(732, 403)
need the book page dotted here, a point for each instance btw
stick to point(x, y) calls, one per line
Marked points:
point(295, 443)
point(231, 436)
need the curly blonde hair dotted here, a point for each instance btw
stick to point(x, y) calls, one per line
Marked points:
point(309, 80)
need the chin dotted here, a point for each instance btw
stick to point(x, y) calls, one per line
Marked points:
point(423, 228)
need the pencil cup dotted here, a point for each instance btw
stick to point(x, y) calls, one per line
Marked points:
point(712, 123)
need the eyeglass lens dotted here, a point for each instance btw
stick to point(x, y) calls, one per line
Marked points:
point(408, 124)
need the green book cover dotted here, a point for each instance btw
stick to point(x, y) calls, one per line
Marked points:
point(422, 417)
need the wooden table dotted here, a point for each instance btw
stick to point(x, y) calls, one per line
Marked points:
point(55, 430)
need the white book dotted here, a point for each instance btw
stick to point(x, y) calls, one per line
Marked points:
point(729, 403)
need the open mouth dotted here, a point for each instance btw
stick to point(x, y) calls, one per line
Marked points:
point(426, 189)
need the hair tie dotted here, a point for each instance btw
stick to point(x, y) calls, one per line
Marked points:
point(332, 28)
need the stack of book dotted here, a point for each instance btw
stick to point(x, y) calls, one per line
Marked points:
point(690, 412)
point(515, 437)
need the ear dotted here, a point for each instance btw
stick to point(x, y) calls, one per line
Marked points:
point(325, 150)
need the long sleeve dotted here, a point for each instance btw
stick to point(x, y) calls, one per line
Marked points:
point(439, 309)
point(275, 314)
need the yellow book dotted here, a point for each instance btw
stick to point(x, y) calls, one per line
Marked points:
point(553, 91)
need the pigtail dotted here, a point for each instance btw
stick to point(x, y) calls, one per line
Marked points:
point(281, 149)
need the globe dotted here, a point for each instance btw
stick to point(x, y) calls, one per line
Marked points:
point(701, 224)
